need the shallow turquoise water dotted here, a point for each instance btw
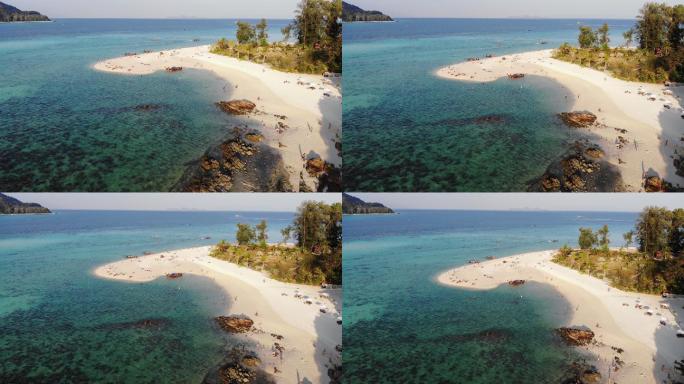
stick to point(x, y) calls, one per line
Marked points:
point(401, 326)
point(67, 127)
point(407, 130)
point(61, 324)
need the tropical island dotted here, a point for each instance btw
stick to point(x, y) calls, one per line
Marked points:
point(286, 95)
point(352, 13)
point(623, 104)
point(628, 302)
point(10, 14)
point(285, 298)
point(354, 206)
point(12, 206)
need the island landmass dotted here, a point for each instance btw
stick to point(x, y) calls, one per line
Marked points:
point(12, 206)
point(355, 206)
point(10, 14)
point(352, 13)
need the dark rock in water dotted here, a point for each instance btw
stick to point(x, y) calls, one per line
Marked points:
point(582, 373)
point(172, 276)
point(479, 120)
point(9, 13)
point(236, 165)
point(239, 367)
point(236, 107)
point(578, 170)
point(150, 324)
point(235, 324)
point(516, 283)
point(354, 206)
point(11, 206)
point(576, 336)
point(493, 335)
point(578, 119)
point(147, 107)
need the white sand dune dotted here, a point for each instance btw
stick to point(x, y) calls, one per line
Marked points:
point(314, 116)
point(657, 131)
point(650, 348)
point(310, 337)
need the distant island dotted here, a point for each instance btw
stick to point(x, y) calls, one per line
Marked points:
point(9, 13)
point(12, 206)
point(352, 13)
point(354, 206)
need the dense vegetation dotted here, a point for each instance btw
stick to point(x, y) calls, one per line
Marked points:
point(316, 29)
point(659, 56)
point(352, 13)
point(9, 13)
point(656, 266)
point(315, 258)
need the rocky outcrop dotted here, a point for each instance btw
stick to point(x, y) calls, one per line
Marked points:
point(516, 283)
point(236, 107)
point(174, 69)
point(235, 324)
point(354, 206)
point(582, 373)
point(237, 165)
point(173, 276)
point(580, 169)
point(9, 13)
point(12, 206)
point(576, 336)
point(329, 176)
point(654, 184)
point(239, 367)
point(578, 119)
point(352, 13)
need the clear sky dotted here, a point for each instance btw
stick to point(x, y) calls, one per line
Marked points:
point(160, 9)
point(621, 202)
point(262, 202)
point(614, 9)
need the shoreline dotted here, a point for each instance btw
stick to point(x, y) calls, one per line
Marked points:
point(299, 116)
point(652, 130)
point(310, 337)
point(650, 349)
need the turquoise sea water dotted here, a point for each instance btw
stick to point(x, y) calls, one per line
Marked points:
point(407, 130)
point(61, 324)
point(67, 127)
point(401, 326)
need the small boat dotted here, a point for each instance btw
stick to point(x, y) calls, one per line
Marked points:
point(667, 92)
point(323, 309)
point(324, 295)
point(680, 333)
point(649, 312)
point(665, 306)
point(339, 321)
point(663, 321)
point(667, 106)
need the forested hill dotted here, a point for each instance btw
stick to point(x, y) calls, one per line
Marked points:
point(9, 13)
point(354, 206)
point(352, 13)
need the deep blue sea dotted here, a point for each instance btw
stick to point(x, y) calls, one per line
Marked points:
point(67, 127)
point(401, 326)
point(61, 324)
point(407, 130)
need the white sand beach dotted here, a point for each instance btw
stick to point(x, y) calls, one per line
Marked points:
point(654, 132)
point(650, 348)
point(310, 337)
point(312, 103)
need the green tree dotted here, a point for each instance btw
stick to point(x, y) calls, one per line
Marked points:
point(286, 31)
point(653, 27)
point(629, 238)
point(286, 233)
point(587, 238)
point(653, 229)
point(245, 234)
point(262, 233)
point(309, 22)
point(245, 34)
point(587, 37)
point(603, 239)
point(676, 35)
point(603, 37)
point(262, 32)
point(676, 237)
point(628, 35)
